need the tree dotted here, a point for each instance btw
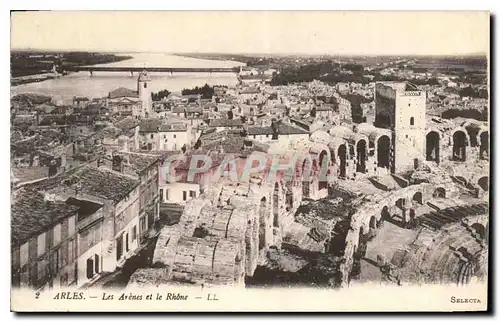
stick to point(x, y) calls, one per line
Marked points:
point(159, 95)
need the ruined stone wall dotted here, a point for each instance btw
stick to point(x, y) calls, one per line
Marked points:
point(375, 206)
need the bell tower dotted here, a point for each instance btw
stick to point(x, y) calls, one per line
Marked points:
point(144, 92)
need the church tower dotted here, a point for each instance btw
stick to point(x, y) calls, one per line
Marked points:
point(144, 92)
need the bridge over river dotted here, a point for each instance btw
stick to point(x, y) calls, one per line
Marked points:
point(132, 70)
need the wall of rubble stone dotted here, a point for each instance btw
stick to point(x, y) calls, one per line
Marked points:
point(375, 206)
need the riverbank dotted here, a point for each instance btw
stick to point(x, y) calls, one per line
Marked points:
point(30, 67)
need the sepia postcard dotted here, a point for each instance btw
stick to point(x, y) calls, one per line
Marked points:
point(259, 161)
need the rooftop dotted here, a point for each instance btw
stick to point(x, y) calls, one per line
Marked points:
point(31, 215)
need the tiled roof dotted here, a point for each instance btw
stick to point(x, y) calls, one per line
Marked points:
point(104, 184)
point(31, 215)
point(150, 125)
point(122, 92)
point(173, 128)
point(225, 123)
point(139, 161)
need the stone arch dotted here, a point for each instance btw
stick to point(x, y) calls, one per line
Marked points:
point(262, 222)
point(289, 198)
point(484, 145)
point(383, 151)
point(373, 222)
point(323, 163)
point(417, 197)
point(276, 205)
point(361, 156)
point(439, 192)
point(432, 144)
point(480, 229)
point(305, 183)
point(384, 213)
point(401, 203)
point(459, 145)
point(484, 183)
point(342, 155)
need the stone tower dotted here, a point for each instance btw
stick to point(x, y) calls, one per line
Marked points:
point(144, 92)
point(409, 130)
point(402, 110)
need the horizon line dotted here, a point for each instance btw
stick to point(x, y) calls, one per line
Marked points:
point(247, 53)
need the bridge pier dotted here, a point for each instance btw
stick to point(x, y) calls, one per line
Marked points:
point(90, 73)
point(131, 73)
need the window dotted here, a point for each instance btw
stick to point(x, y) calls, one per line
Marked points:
point(152, 135)
point(134, 233)
point(71, 225)
point(64, 279)
point(175, 136)
point(145, 85)
point(90, 268)
point(57, 234)
point(192, 194)
point(412, 120)
point(71, 251)
point(119, 248)
point(166, 194)
point(40, 270)
point(142, 224)
point(96, 263)
point(54, 262)
point(184, 195)
point(126, 242)
point(161, 194)
point(24, 254)
point(25, 276)
point(40, 244)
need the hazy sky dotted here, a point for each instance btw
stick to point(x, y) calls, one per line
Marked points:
point(314, 32)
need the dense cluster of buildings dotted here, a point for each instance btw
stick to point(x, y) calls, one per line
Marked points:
point(89, 190)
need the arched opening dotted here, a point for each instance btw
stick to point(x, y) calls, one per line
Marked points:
point(373, 222)
point(483, 182)
point(432, 146)
point(385, 213)
point(383, 149)
point(342, 153)
point(417, 198)
point(361, 156)
point(459, 146)
point(276, 205)
point(480, 229)
point(262, 223)
point(305, 189)
point(484, 149)
point(472, 131)
point(323, 162)
point(401, 203)
point(439, 193)
point(289, 200)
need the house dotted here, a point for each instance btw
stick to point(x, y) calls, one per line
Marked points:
point(225, 124)
point(124, 101)
point(104, 218)
point(155, 135)
point(281, 132)
point(43, 241)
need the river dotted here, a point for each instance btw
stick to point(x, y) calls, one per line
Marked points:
point(64, 88)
